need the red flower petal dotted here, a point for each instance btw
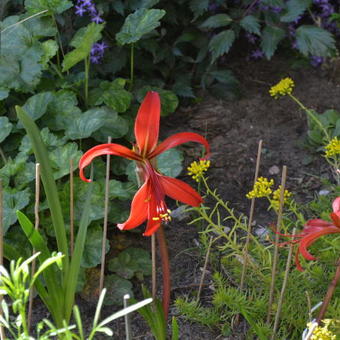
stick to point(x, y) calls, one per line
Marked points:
point(104, 149)
point(318, 222)
point(180, 191)
point(335, 216)
point(147, 123)
point(178, 139)
point(336, 205)
point(139, 209)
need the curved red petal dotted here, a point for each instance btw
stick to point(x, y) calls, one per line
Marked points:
point(180, 191)
point(139, 209)
point(336, 205)
point(318, 222)
point(147, 123)
point(335, 216)
point(151, 227)
point(154, 221)
point(104, 149)
point(178, 139)
point(297, 262)
point(311, 238)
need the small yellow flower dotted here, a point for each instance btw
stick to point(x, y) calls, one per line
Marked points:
point(322, 333)
point(284, 87)
point(262, 188)
point(197, 169)
point(332, 148)
point(275, 201)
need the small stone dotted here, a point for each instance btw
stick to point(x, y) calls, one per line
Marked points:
point(274, 170)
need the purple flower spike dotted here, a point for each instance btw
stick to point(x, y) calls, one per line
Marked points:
point(276, 10)
point(316, 61)
point(251, 38)
point(80, 10)
point(87, 3)
point(97, 19)
point(92, 9)
point(257, 54)
point(95, 59)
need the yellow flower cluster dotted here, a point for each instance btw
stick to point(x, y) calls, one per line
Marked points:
point(284, 87)
point(262, 188)
point(333, 147)
point(275, 201)
point(197, 169)
point(322, 333)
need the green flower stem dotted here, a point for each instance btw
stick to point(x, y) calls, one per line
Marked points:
point(311, 115)
point(132, 57)
point(163, 249)
point(59, 41)
point(3, 156)
point(87, 71)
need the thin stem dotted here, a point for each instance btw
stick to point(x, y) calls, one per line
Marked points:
point(71, 208)
point(87, 71)
point(106, 213)
point(154, 267)
point(283, 289)
point(311, 115)
point(3, 156)
point(276, 247)
point(250, 220)
point(36, 227)
point(204, 268)
point(2, 331)
point(330, 292)
point(55, 68)
point(163, 249)
point(127, 318)
point(132, 57)
point(59, 40)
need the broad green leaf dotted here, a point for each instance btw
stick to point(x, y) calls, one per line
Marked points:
point(50, 48)
point(62, 110)
point(13, 201)
point(114, 126)
point(217, 20)
point(130, 262)
point(117, 98)
point(295, 8)
point(36, 106)
point(55, 6)
point(271, 36)
point(25, 175)
point(11, 168)
point(137, 4)
point(93, 247)
point(87, 123)
point(221, 43)
point(60, 159)
point(198, 7)
point(139, 23)
point(273, 3)
point(41, 26)
point(3, 93)
point(82, 41)
point(117, 287)
point(251, 24)
point(312, 40)
point(122, 190)
point(170, 162)
point(182, 86)
point(5, 128)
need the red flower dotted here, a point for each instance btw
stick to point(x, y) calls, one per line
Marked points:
point(315, 229)
point(149, 201)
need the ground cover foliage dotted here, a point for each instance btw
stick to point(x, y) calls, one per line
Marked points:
point(80, 70)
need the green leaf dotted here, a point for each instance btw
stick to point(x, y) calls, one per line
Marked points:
point(295, 8)
point(170, 162)
point(273, 3)
point(5, 128)
point(137, 4)
point(121, 190)
point(198, 7)
point(82, 41)
point(217, 20)
point(312, 40)
point(54, 6)
point(130, 262)
point(60, 159)
point(87, 123)
point(139, 23)
point(251, 24)
point(62, 110)
point(50, 48)
point(3, 93)
point(271, 36)
point(116, 97)
point(117, 287)
point(36, 106)
point(221, 43)
point(93, 247)
point(13, 201)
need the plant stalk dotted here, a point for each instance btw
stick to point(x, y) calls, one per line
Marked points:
point(163, 249)
point(71, 208)
point(132, 60)
point(329, 294)
point(86, 86)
